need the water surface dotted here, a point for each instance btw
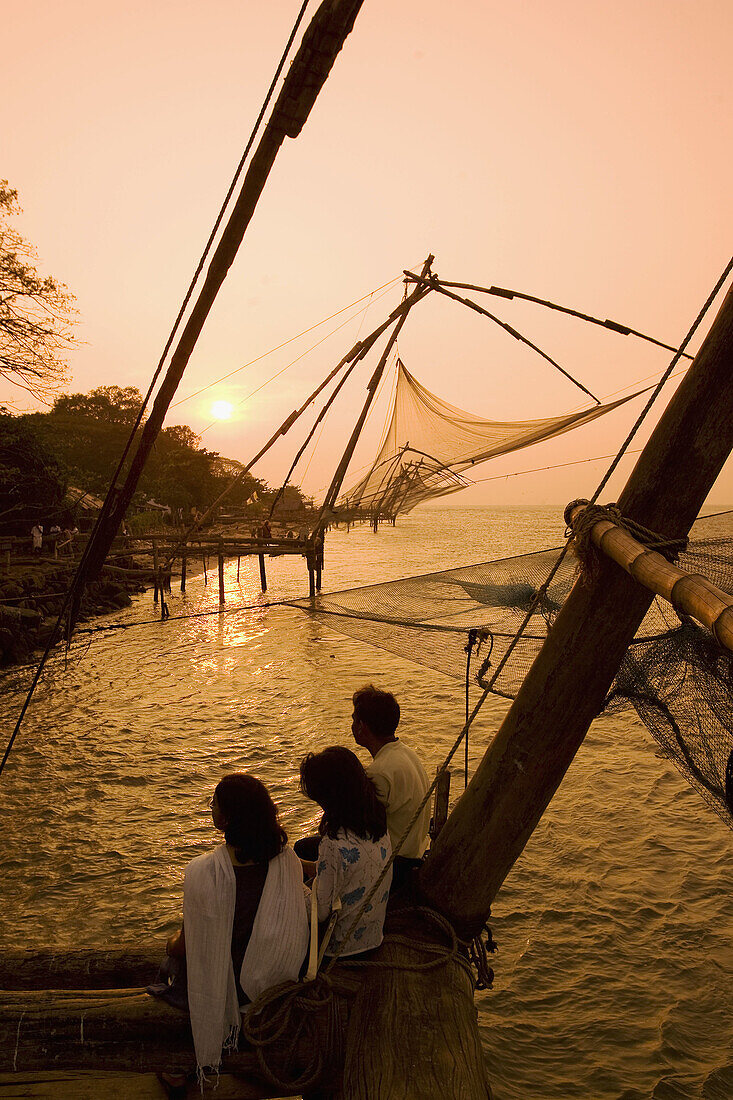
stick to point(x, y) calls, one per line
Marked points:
point(614, 977)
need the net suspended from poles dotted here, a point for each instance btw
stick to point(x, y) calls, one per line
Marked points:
point(430, 444)
point(675, 675)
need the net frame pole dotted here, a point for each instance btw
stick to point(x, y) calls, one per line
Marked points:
point(566, 686)
point(441, 288)
point(333, 490)
point(614, 326)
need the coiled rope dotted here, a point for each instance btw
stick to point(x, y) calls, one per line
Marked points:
point(296, 1010)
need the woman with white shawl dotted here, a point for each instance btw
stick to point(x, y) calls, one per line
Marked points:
point(245, 921)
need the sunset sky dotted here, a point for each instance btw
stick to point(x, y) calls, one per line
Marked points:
point(577, 151)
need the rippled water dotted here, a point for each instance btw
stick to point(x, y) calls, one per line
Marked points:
point(614, 977)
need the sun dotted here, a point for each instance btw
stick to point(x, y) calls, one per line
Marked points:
point(222, 410)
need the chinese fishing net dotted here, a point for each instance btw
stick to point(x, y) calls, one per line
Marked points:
point(675, 675)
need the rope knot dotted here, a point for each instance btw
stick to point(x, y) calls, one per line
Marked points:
point(579, 530)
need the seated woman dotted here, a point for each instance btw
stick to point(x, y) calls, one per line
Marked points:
point(245, 921)
point(353, 850)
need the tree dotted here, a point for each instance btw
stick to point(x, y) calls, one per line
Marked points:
point(113, 404)
point(32, 480)
point(36, 311)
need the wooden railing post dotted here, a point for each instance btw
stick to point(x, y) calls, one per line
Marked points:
point(221, 571)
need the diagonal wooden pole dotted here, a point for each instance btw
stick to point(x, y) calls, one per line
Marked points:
point(313, 61)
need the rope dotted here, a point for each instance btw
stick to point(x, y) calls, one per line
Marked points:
point(293, 1009)
point(270, 1018)
point(291, 340)
point(473, 637)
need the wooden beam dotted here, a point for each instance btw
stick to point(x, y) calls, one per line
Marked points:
point(566, 686)
point(126, 965)
point(412, 1033)
point(690, 593)
point(92, 1084)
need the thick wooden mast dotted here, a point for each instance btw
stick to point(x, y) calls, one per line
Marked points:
point(565, 688)
point(321, 43)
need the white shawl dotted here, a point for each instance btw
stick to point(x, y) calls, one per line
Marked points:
point(275, 952)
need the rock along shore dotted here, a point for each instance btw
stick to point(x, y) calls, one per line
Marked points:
point(31, 597)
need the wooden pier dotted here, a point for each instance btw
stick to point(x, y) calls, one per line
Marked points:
point(155, 556)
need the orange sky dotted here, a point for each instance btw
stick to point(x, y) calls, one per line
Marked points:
point(578, 151)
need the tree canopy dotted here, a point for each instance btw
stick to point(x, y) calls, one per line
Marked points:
point(36, 311)
point(32, 478)
point(79, 444)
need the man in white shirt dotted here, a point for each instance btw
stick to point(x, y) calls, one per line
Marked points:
point(397, 774)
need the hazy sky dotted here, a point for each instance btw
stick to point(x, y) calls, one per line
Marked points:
point(576, 150)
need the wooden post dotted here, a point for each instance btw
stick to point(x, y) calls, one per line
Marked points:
point(263, 575)
point(156, 576)
point(565, 688)
point(221, 572)
point(440, 804)
point(239, 559)
point(203, 558)
point(319, 562)
point(311, 574)
point(412, 1033)
point(183, 569)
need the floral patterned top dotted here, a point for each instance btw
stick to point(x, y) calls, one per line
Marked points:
point(348, 867)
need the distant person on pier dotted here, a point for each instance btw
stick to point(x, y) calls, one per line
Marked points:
point(400, 779)
point(245, 920)
point(37, 537)
point(266, 530)
point(353, 849)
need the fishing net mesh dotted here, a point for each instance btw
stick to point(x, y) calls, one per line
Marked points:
point(675, 675)
point(429, 445)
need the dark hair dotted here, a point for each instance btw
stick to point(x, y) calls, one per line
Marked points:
point(379, 710)
point(252, 826)
point(336, 780)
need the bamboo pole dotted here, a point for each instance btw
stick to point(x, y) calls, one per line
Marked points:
point(263, 574)
point(689, 593)
point(565, 688)
point(183, 569)
point(311, 574)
